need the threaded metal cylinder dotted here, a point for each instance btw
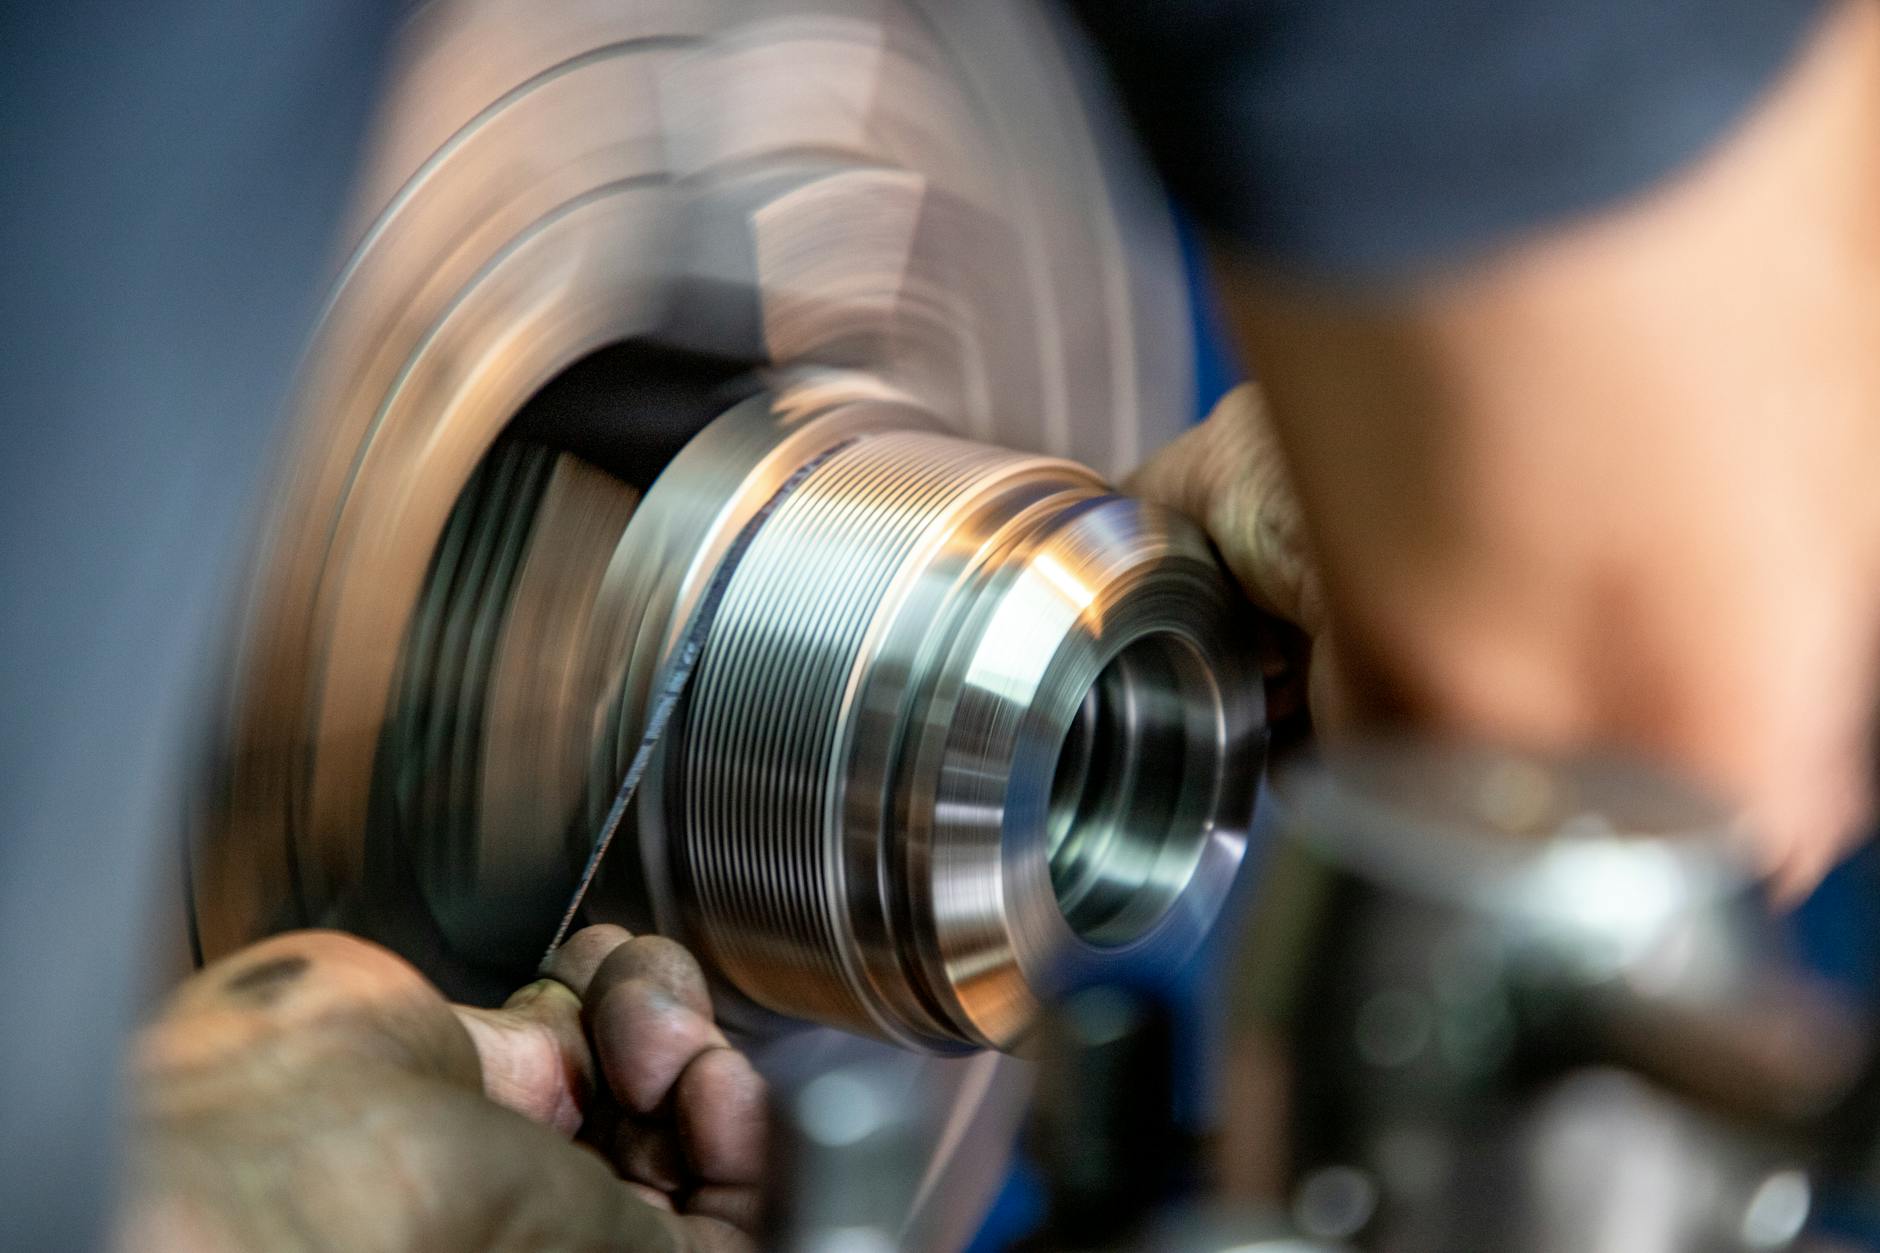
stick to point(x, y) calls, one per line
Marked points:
point(967, 728)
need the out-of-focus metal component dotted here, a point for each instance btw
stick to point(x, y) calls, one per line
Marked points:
point(848, 1147)
point(1592, 861)
point(486, 752)
point(1205, 1229)
point(1335, 1202)
point(1539, 1008)
point(1103, 1131)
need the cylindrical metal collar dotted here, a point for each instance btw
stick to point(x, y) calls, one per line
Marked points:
point(967, 728)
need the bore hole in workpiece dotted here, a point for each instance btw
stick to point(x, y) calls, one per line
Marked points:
point(1133, 790)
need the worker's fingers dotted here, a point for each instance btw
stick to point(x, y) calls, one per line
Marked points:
point(720, 1109)
point(595, 958)
point(649, 1015)
point(704, 1231)
point(691, 1110)
point(646, 1154)
point(308, 996)
point(737, 1206)
point(646, 1150)
point(644, 1038)
point(539, 1192)
point(656, 960)
point(534, 1054)
point(574, 963)
point(573, 1200)
point(713, 1133)
point(1229, 475)
point(706, 1234)
point(658, 1198)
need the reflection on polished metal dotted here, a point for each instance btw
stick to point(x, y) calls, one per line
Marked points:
point(1592, 858)
point(917, 190)
point(547, 181)
point(966, 726)
point(1537, 1006)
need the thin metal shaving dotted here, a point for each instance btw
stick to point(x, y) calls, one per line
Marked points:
point(671, 684)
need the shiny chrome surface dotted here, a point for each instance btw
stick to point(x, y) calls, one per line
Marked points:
point(936, 207)
point(967, 728)
point(549, 180)
point(1597, 857)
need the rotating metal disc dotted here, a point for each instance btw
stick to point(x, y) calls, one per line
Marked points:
point(585, 227)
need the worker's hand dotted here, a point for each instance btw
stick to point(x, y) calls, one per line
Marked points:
point(1616, 487)
point(680, 1113)
point(1229, 474)
point(315, 1092)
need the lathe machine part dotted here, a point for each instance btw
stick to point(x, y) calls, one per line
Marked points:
point(963, 728)
point(966, 727)
point(592, 225)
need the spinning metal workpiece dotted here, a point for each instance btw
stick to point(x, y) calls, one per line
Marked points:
point(965, 727)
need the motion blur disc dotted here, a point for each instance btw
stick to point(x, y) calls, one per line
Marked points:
point(584, 229)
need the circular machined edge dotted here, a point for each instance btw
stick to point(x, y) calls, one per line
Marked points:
point(1167, 585)
point(1133, 788)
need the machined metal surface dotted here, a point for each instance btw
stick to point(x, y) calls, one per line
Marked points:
point(968, 728)
point(965, 726)
point(654, 206)
point(549, 182)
